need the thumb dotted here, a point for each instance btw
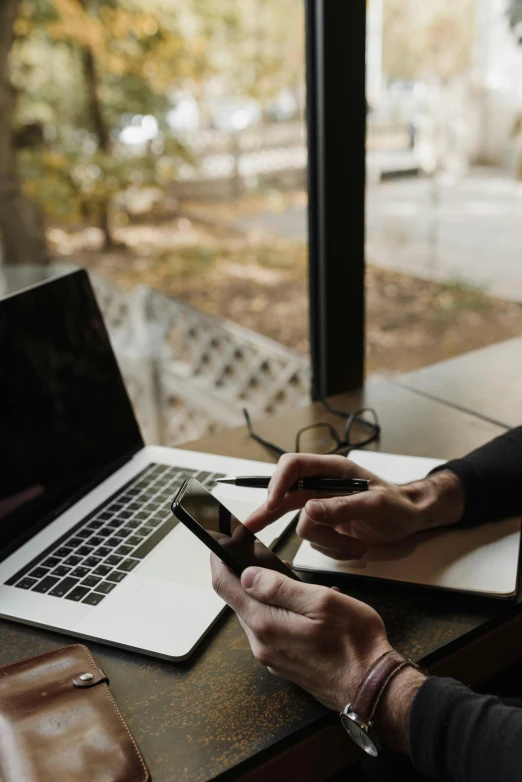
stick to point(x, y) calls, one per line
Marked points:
point(275, 589)
point(341, 510)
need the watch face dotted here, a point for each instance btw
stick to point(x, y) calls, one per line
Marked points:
point(359, 735)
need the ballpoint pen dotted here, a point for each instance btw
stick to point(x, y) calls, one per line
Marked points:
point(326, 485)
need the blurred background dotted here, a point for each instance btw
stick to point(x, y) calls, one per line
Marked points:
point(162, 145)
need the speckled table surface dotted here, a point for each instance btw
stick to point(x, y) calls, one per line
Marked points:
point(221, 713)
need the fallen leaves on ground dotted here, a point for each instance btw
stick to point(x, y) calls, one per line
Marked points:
point(261, 282)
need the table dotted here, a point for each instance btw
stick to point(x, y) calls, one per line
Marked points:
point(221, 715)
point(487, 382)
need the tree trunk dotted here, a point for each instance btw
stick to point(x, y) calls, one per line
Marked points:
point(21, 222)
point(95, 109)
point(98, 125)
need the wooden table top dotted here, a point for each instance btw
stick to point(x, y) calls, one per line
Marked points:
point(221, 714)
point(487, 382)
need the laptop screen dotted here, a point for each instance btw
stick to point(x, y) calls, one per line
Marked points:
point(65, 418)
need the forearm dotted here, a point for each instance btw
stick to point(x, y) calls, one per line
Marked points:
point(393, 713)
point(483, 486)
point(455, 734)
point(440, 500)
point(450, 732)
point(491, 479)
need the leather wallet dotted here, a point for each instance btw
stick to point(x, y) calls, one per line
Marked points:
point(59, 723)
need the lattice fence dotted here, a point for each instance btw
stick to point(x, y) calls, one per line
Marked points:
point(188, 373)
point(226, 162)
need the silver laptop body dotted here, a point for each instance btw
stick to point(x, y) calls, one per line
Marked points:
point(88, 545)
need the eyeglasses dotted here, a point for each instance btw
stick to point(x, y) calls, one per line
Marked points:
point(360, 428)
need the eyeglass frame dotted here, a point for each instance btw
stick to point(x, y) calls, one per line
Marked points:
point(341, 444)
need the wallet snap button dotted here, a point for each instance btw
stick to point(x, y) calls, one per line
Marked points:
point(87, 679)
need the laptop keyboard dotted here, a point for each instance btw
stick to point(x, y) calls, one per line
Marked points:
point(98, 553)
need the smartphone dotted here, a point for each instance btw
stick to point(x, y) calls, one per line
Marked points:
point(221, 532)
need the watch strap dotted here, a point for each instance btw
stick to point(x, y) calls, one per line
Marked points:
point(375, 681)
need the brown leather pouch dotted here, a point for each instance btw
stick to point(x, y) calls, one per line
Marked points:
point(59, 723)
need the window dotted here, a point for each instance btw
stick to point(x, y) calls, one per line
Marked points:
point(165, 143)
point(443, 193)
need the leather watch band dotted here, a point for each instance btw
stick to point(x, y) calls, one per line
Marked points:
point(375, 681)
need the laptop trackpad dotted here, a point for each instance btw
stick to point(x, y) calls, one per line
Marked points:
point(157, 616)
point(181, 558)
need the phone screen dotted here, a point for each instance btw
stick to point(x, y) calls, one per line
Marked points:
point(219, 529)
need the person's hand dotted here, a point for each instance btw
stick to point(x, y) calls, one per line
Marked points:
point(321, 640)
point(342, 527)
point(316, 637)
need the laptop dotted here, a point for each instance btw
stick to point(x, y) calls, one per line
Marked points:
point(88, 545)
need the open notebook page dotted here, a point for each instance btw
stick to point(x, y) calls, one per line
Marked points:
point(482, 560)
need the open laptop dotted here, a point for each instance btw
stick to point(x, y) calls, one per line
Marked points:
point(88, 544)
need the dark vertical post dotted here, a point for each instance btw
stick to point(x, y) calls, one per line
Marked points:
point(336, 76)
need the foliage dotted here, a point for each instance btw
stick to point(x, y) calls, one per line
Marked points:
point(515, 13)
point(83, 68)
point(428, 39)
point(77, 184)
point(79, 169)
point(515, 22)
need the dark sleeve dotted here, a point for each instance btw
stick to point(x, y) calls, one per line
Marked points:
point(457, 735)
point(492, 479)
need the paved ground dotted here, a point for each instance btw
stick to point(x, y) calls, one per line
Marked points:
point(468, 230)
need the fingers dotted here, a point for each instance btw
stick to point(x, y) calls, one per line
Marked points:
point(322, 537)
point(293, 466)
point(275, 589)
point(333, 511)
point(262, 620)
point(228, 586)
point(290, 469)
point(262, 517)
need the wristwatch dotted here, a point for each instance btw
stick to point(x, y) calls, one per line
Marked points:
point(357, 716)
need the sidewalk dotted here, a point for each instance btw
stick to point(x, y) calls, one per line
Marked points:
point(468, 230)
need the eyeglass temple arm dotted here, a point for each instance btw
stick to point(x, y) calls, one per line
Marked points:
point(354, 417)
point(375, 425)
point(258, 438)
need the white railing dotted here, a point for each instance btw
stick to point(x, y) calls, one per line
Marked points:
point(190, 374)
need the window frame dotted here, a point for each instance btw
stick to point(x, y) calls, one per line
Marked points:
point(335, 58)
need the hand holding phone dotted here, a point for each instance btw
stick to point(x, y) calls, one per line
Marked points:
point(221, 532)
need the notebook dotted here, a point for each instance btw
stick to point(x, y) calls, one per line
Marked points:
point(483, 560)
